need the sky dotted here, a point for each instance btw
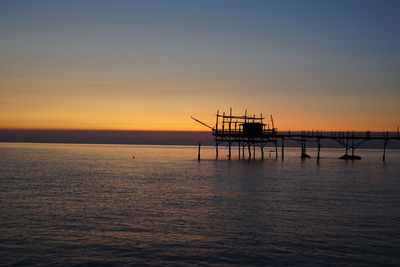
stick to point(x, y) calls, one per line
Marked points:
point(150, 65)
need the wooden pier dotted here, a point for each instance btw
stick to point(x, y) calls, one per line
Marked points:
point(251, 132)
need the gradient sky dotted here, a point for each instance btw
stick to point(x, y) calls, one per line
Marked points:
point(149, 65)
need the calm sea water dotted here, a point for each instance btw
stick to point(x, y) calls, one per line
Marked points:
point(93, 204)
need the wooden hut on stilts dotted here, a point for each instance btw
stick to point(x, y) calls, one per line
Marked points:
point(243, 132)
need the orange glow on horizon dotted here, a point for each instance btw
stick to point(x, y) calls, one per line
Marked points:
point(41, 107)
point(335, 123)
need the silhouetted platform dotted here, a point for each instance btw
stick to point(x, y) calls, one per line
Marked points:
point(251, 131)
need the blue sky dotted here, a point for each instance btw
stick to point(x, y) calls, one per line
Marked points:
point(65, 64)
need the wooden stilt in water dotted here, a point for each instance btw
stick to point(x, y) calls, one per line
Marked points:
point(283, 148)
point(276, 149)
point(249, 150)
point(319, 148)
point(262, 151)
point(384, 150)
point(198, 154)
point(230, 132)
point(302, 150)
point(216, 131)
point(304, 154)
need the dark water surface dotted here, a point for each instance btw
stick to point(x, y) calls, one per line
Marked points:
point(93, 204)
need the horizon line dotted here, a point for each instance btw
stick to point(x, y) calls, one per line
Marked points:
point(200, 131)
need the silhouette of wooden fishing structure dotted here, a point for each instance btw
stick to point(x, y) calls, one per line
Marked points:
point(248, 132)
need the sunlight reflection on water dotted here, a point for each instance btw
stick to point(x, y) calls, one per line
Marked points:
point(80, 204)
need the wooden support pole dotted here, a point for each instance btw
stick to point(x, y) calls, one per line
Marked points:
point(262, 151)
point(216, 123)
point(249, 150)
point(254, 150)
point(302, 149)
point(223, 122)
point(384, 150)
point(230, 133)
point(239, 149)
point(216, 134)
point(283, 148)
point(276, 149)
point(198, 154)
point(319, 148)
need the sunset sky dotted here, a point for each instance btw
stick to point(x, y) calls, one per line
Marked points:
point(150, 65)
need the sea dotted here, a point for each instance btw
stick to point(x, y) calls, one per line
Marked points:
point(144, 205)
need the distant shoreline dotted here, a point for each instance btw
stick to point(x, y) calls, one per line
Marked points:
point(124, 137)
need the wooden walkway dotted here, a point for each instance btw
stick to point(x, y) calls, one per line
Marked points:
point(248, 132)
